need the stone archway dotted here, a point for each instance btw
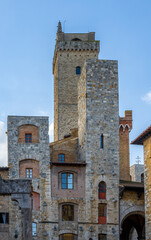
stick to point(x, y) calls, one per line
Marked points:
point(133, 227)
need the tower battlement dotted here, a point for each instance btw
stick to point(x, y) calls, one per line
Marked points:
point(71, 52)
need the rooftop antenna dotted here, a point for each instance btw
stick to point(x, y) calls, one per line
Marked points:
point(138, 160)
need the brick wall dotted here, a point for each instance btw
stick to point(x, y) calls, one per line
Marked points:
point(28, 129)
point(124, 130)
point(29, 163)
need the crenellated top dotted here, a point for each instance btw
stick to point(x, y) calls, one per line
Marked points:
point(91, 46)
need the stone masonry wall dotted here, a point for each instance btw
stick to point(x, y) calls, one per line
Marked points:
point(25, 152)
point(98, 114)
point(136, 170)
point(68, 55)
point(147, 180)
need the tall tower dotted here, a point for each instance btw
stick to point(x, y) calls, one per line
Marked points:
point(99, 145)
point(71, 51)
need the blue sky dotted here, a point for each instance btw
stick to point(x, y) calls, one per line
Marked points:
point(27, 40)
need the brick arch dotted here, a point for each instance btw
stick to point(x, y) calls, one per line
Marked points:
point(36, 201)
point(29, 164)
point(28, 129)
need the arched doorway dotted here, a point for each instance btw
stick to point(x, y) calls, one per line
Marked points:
point(133, 227)
point(68, 236)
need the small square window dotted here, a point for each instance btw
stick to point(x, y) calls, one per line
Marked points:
point(61, 157)
point(29, 172)
point(4, 218)
point(78, 70)
point(28, 137)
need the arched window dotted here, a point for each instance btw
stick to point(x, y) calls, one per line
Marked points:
point(102, 190)
point(61, 157)
point(76, 39)
point(29, 168)
point(102, 209)
point(78, 70)
point(28, 133)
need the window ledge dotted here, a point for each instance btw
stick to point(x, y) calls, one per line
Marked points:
point(68, 163)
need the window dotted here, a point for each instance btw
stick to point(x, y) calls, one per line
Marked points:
point(102, 190)
point(102, 237)
point(28, 137)
point(35, 201)
point(34, 229)
point(67, 212)
point(101, 141)
point(67, 180)
point(29, 172)
point(142, 178)
point(78, 70)
point(102, 213)
point(4, 218)
point(68, 236)
point(61, 157)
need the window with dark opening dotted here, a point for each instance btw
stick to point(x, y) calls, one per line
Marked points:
point(28, 137)
point(78, 70)
point(102, 190)
point(4, 218)
point(29, 172)
point(61, 157)
point(101, 141)
point(68, 236)
point(67, 180)
point(142, 178)
point(102, 213)
point(67, 212)
point(102, 237)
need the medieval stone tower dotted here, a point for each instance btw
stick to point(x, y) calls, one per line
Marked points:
point(71, 51)
point(86, 98)
point(72, 188)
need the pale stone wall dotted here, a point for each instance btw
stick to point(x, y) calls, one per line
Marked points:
point(135, 171)
point(98, 114)
point(36, 151)
point(68, 55)
point(130, 203)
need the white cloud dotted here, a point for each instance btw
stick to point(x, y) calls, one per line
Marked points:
point(147, 98)
point(51, 132)
point(3, 145)
point(42, 113)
